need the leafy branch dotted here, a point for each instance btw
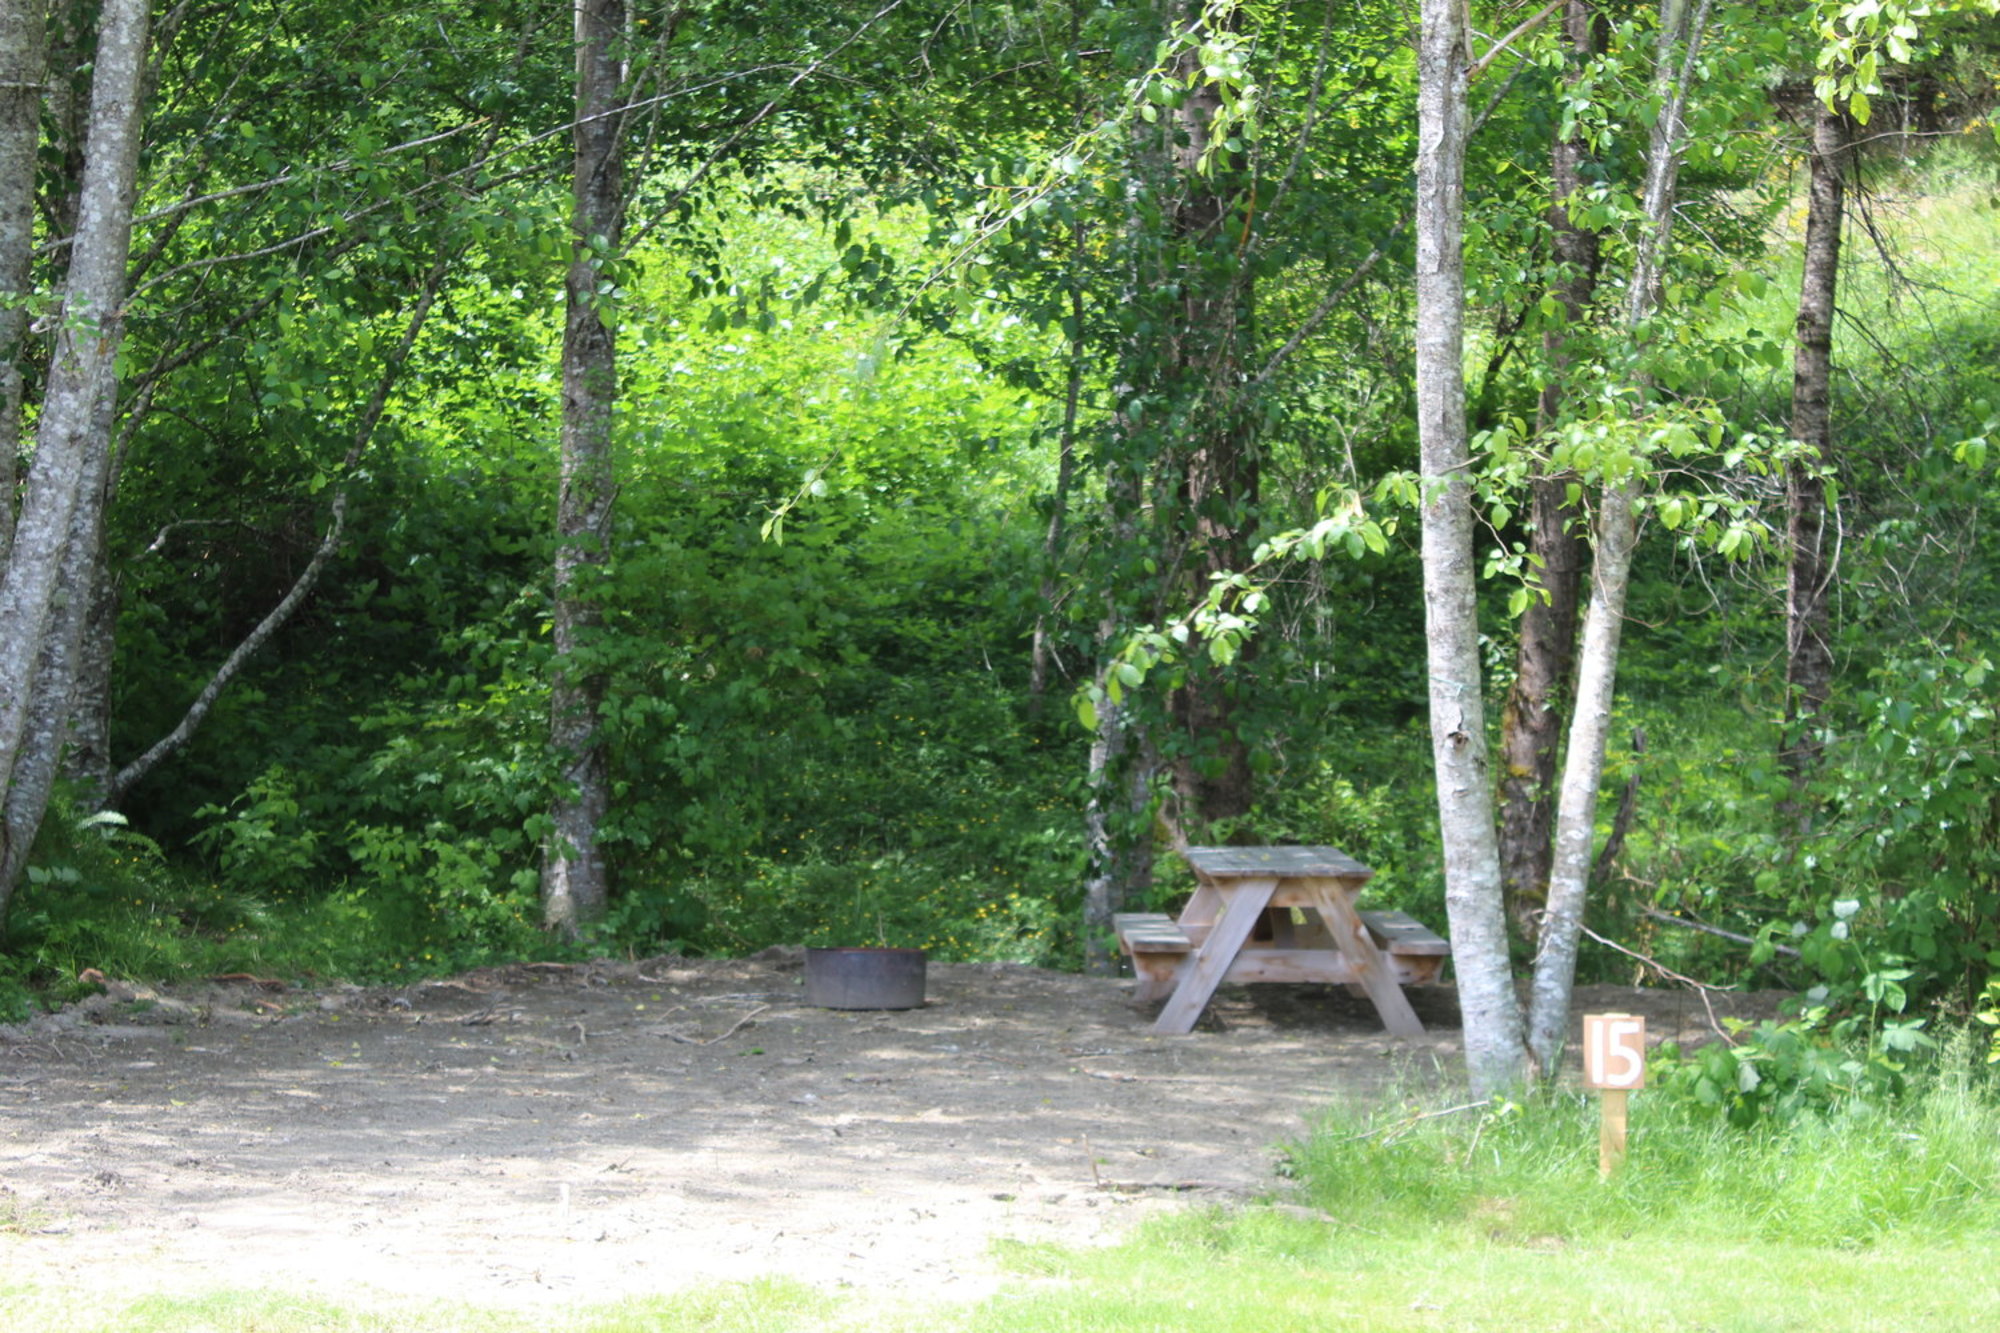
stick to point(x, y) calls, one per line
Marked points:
point(1228, 615)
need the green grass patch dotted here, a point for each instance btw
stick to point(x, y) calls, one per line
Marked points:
point(773, 1306)
point(1925, 1166)
point(1263, 1273)
point(1495, 1218)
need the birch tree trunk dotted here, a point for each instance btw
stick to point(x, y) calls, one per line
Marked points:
point(1809, 570)
point(61, 663)
point(1545, 656)
point(22, 45)
point(574, 886)
point(1494, 1054)
point(1617, 531)
point(72, 434)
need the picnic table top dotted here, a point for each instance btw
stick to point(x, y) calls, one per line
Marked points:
point(1283, 862)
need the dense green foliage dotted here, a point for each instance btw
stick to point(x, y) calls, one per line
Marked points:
point(879, 328)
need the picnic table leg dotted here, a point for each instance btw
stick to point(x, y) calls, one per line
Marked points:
point(1200, 975)
point(1371, 969)
point(1202, 906)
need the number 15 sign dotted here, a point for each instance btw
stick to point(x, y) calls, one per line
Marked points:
point(1614, 1062)
point(1614, 1052)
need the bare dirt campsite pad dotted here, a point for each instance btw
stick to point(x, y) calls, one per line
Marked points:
point(585, 1133)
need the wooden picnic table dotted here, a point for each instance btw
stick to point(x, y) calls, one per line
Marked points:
point(1278, 914)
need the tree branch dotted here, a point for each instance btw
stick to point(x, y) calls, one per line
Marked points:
point(301, 587)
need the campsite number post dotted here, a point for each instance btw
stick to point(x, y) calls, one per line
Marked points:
point(1614, 1062)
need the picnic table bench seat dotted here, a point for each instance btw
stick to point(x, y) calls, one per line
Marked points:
point(1286, 949)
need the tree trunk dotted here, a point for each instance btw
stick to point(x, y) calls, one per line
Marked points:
point(1545, 657)
point(72, 434)
point(22, 41)
point(1494, 1053)
point(1583, 771)
point(88, 760)
point(62, 664)
point(1218, 474)
point(574, 883)
point(1617, 529)
point(1809, 571)
point(1212, 774)
point(1116, 836)
point(1040, 652)
point(1174, 472)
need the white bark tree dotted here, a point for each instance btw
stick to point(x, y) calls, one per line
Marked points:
point(1495, 1056)
point(574, 884)
point(61, 507)
point(1809, 567)
point(1617, 532)
point(22, 45)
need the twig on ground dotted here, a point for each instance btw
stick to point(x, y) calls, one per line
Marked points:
point(247, 979)
point(724, 1035)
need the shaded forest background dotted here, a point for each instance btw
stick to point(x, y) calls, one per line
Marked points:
point(956, 346)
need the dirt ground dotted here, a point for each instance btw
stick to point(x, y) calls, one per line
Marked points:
point(597, 1131)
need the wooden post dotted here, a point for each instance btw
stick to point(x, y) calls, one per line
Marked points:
point(1614, 1062)
point(1611, 1132)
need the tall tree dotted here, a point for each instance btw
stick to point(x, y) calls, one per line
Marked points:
point(1545, 653)
point(1495, 1055)
point(1181, 469)
point(1809, 567)
point(1679, 45)
point(1212, 465)
point(62, 503)
point(22, 42)
point(574, 883)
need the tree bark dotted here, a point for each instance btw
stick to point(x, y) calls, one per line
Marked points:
point(1116, 837)
point(1494, 1054)
point(1809, 568)
point(1217, 472)
point(72, 434)
point(1617, 531)
point(1545, 656)
point(575, 890)
point(22, 59)
point(1040, 652)
point(61, 663)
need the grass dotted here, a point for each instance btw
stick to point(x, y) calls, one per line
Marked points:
point(760, 1307)
point(1495, 1219)
point(1470, 1219)
point(1925, 1168)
